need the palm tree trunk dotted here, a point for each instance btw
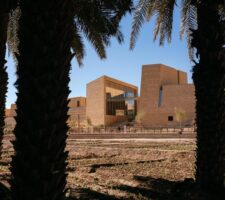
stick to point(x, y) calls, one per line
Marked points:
point(209, 80)
point(4, 18)
point(39, 165)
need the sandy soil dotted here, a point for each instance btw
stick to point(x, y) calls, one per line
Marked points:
point(123, 169)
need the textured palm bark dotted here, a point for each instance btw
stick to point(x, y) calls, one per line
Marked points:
point(4, 18)
point(209, 80)
point(39, 164)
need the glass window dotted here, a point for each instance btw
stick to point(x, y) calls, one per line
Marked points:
point(120, 100)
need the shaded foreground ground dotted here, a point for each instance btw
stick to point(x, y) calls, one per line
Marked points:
point(125, 169)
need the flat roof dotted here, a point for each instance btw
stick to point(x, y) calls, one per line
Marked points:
point(76, 98)
point(159, 65)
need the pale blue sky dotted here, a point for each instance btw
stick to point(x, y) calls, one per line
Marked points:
point(121, 63)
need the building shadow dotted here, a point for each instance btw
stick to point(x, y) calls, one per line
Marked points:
point(162, 189)
point(97, 166)
point(88, 194)
point(150, 188)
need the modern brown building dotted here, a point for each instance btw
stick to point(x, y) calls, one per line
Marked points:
point(166, 99)
point(110, 101)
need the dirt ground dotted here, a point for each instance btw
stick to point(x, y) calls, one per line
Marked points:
point(124, 169)
point(128, 169)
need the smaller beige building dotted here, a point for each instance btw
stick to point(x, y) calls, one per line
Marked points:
point(77, 112)
point(10, 113)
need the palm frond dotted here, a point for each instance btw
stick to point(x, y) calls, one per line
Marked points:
point(163, 10)
point(12, 37)
point(150, 11)
point(99, 20)
point(164, 20)
point(185, 10)
point(143, 10)
point(188, 23)
point(78, 45)
point(95, 39)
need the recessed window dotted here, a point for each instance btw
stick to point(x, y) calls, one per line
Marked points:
point(170, 118)
point(78, 103)
point(160, 96)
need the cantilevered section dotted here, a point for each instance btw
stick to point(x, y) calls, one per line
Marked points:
point(110, 101)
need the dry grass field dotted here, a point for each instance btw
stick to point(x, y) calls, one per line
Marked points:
point(125, 169)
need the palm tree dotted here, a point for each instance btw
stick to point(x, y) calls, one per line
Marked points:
point(5, 8)
point(47, 31)
point(203, 22)
point(98, 21)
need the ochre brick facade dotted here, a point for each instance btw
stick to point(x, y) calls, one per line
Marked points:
point(77, 112)
point(165, 93)
point(96, 101)
point(9, 116)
